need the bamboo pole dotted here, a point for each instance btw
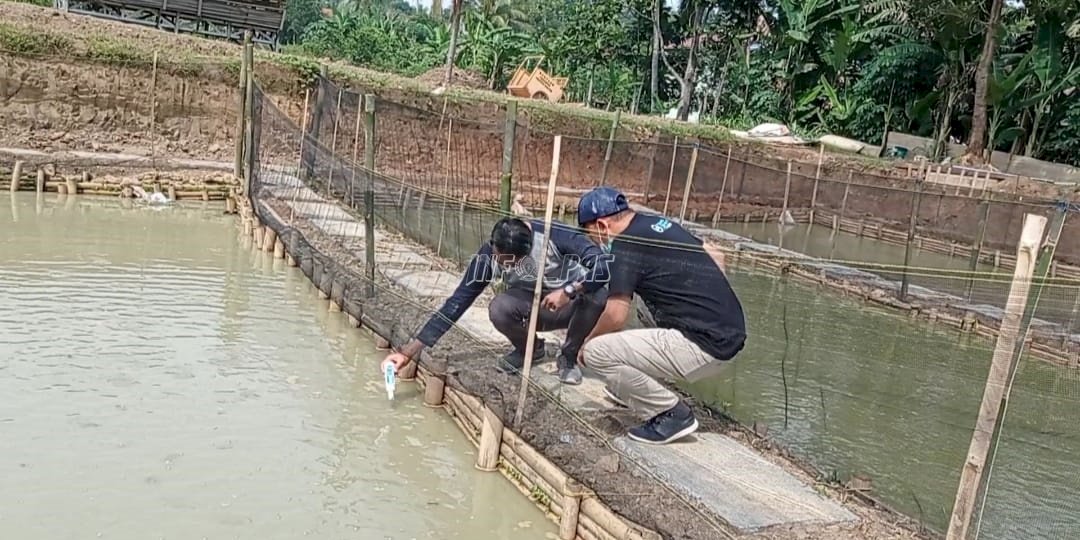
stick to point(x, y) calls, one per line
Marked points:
point(976, 247)
point(39, 182)
point(356, 150)
point(530, 343)
point(446, 188)
point(689, 183)
point(787, 191)
point(153, 110)
point(241, 91)
point(997, 380)
point(435, 389)
point(610, 145)
point(249, 115)
point(369, 192)
point(817, 178)
point(913, 222)
point(843, 201)
point(723, 186)
point(269, 237)
point(506, 183)
point(16, 175)
point(671, 174)
point(303, 128)
point(333, 144)
point(487, 457)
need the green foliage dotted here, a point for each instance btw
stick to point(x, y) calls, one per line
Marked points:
point(109, 50)
point(849, 67)
point(42, 3)
point(30, 42)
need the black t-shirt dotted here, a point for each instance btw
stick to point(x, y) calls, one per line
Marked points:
point(679, 282)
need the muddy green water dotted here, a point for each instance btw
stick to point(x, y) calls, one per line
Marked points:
point(857, 390)
point(158, 379)
point(937, 271)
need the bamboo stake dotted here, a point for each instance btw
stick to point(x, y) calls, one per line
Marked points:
point(153, 111)
point(530, 343)
point(723, 186)
point(446, 187)
point(671, 173)
point(16, 174)
point(333, 144)
point(355, 151)
point(787, 191)
point(843, 201)
point(817, 178)
point(689, 182)
point(434, 392)
point(300, 160)
point(487, 457)
point(997, 381)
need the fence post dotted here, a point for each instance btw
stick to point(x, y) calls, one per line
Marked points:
point(817, 178)
point(307, 158)
point(356, 150)
point(556, 154)
point(671, 174)
point(787, 193)
point(653, 145)
point(723, 186)
point(913, 222)
point(16, 175)
point(333, 145)
point(689, 182)
point(369, 191)
point(976, 248)
point(610, 144)
point(997, 381)
point(249, 114)
point(241, 90)
point(506, 186)
point(487, 455)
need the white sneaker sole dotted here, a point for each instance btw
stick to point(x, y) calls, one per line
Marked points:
point(682, 433)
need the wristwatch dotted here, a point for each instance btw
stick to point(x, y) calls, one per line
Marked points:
point(570, 290)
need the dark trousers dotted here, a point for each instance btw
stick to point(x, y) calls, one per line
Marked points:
point(509, 312)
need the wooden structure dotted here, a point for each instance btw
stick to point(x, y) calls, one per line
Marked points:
point(535, 83)
point(217, 18)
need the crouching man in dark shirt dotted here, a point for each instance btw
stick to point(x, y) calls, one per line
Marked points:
point(700, 323)
point(575, 273)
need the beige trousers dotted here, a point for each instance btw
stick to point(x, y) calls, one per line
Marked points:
point(632, 361)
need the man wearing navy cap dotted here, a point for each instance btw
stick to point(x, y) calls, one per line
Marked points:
point(699, 319)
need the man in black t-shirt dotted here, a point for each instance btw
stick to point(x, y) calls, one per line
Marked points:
point(699, 319)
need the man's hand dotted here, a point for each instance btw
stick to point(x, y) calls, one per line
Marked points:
point(399, 360)
point(555, 300)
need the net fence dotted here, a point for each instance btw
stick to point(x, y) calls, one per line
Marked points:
point(872, 384)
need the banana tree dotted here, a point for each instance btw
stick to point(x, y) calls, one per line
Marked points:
point(490, 46)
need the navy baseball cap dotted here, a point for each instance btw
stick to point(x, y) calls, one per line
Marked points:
point(600, 202)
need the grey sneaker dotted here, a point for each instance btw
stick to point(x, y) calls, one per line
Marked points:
point(570, 375)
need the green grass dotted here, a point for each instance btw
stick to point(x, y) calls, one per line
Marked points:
point(19, 41)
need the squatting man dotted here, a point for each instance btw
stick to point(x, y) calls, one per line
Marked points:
point(699, 320)
point(575, 273)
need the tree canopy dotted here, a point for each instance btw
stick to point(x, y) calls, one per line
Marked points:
point(857, 68)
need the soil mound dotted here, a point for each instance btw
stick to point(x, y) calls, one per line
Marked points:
point(462, 78)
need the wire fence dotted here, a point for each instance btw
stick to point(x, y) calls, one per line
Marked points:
point(874, 400)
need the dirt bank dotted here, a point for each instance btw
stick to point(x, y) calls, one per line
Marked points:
point(72, 82)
